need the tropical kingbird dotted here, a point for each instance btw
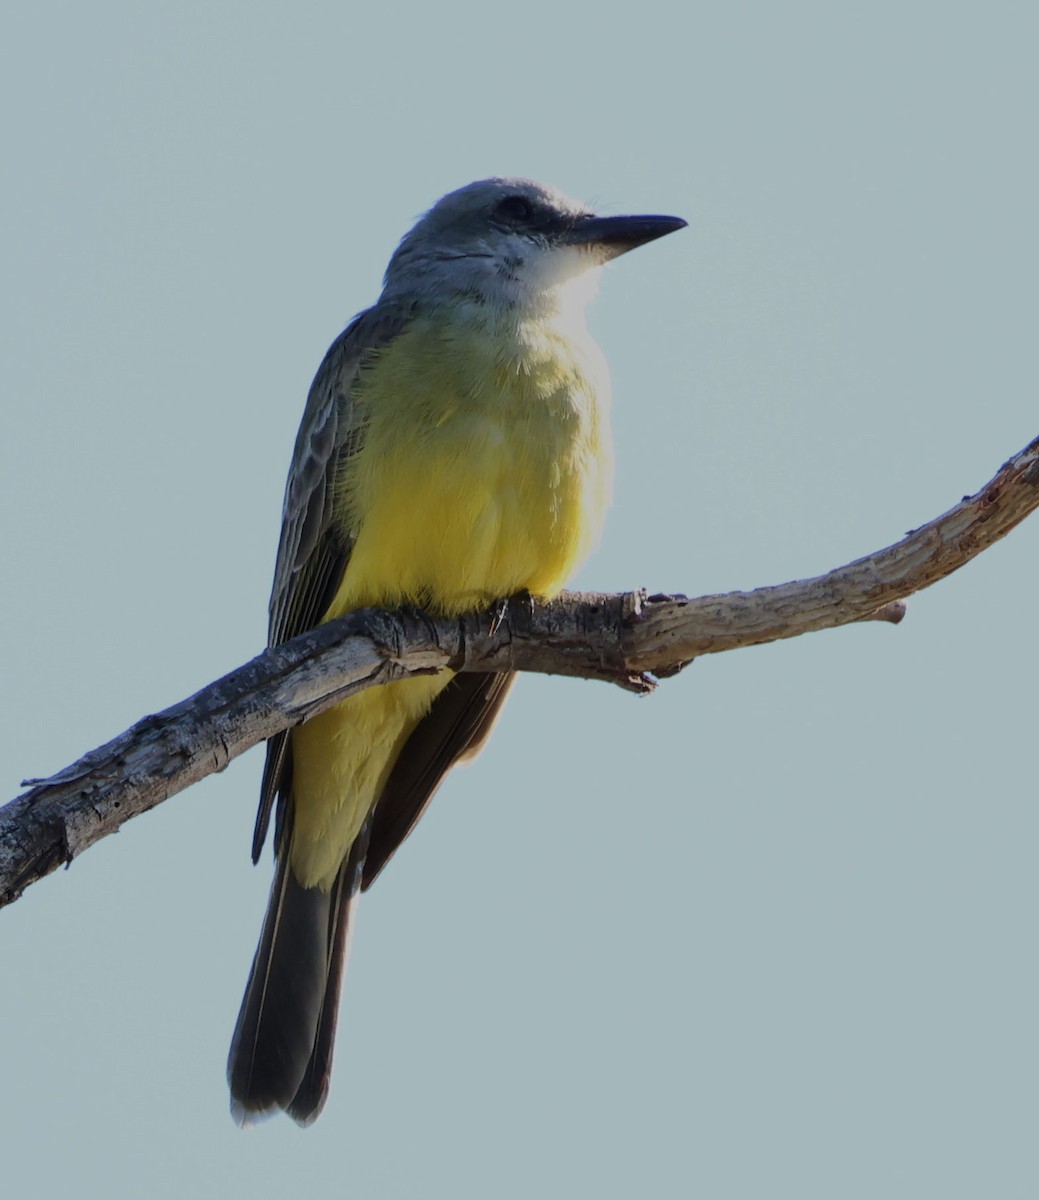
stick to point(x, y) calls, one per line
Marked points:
point(454, 450)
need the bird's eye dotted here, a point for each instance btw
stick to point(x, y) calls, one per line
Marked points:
point(514, 208)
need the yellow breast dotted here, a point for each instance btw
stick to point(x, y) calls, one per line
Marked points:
point(485, 466)
point(484, 469)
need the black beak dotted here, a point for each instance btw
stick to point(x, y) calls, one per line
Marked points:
point(618, 235)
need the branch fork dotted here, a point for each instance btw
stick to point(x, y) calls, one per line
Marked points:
point(629, 639)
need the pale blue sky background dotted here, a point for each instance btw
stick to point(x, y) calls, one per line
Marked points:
point(770, 933)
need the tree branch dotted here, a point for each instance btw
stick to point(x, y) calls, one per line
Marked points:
point(624, 639)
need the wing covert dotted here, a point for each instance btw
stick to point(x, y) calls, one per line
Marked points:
point(313, 549)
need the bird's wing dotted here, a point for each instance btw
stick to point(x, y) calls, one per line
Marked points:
point(314, 550)
point(312, 556)
point(455, 728)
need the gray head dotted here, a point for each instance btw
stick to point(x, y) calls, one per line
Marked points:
point(511, 242)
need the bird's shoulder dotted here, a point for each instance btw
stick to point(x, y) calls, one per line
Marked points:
point(328, 433)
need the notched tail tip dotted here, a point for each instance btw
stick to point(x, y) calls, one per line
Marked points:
point(246, 1118)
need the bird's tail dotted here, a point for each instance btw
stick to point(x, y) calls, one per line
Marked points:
point(281, 1052)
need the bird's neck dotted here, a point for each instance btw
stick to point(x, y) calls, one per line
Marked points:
point(496, 293)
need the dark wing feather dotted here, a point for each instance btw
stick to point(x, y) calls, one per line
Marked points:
point(314, 550)
point(457, 725)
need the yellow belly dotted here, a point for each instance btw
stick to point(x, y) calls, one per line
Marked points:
point(485, 470)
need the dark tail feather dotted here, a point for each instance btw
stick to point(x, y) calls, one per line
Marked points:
point(312, 1092)
point(281, 1052)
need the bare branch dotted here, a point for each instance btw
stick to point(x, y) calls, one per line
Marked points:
point(624, 639)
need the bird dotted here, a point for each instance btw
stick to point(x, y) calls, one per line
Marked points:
point(454, 450)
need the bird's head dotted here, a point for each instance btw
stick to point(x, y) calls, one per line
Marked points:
point(512, 242)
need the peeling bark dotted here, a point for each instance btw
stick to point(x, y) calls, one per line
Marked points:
point(629, 639)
